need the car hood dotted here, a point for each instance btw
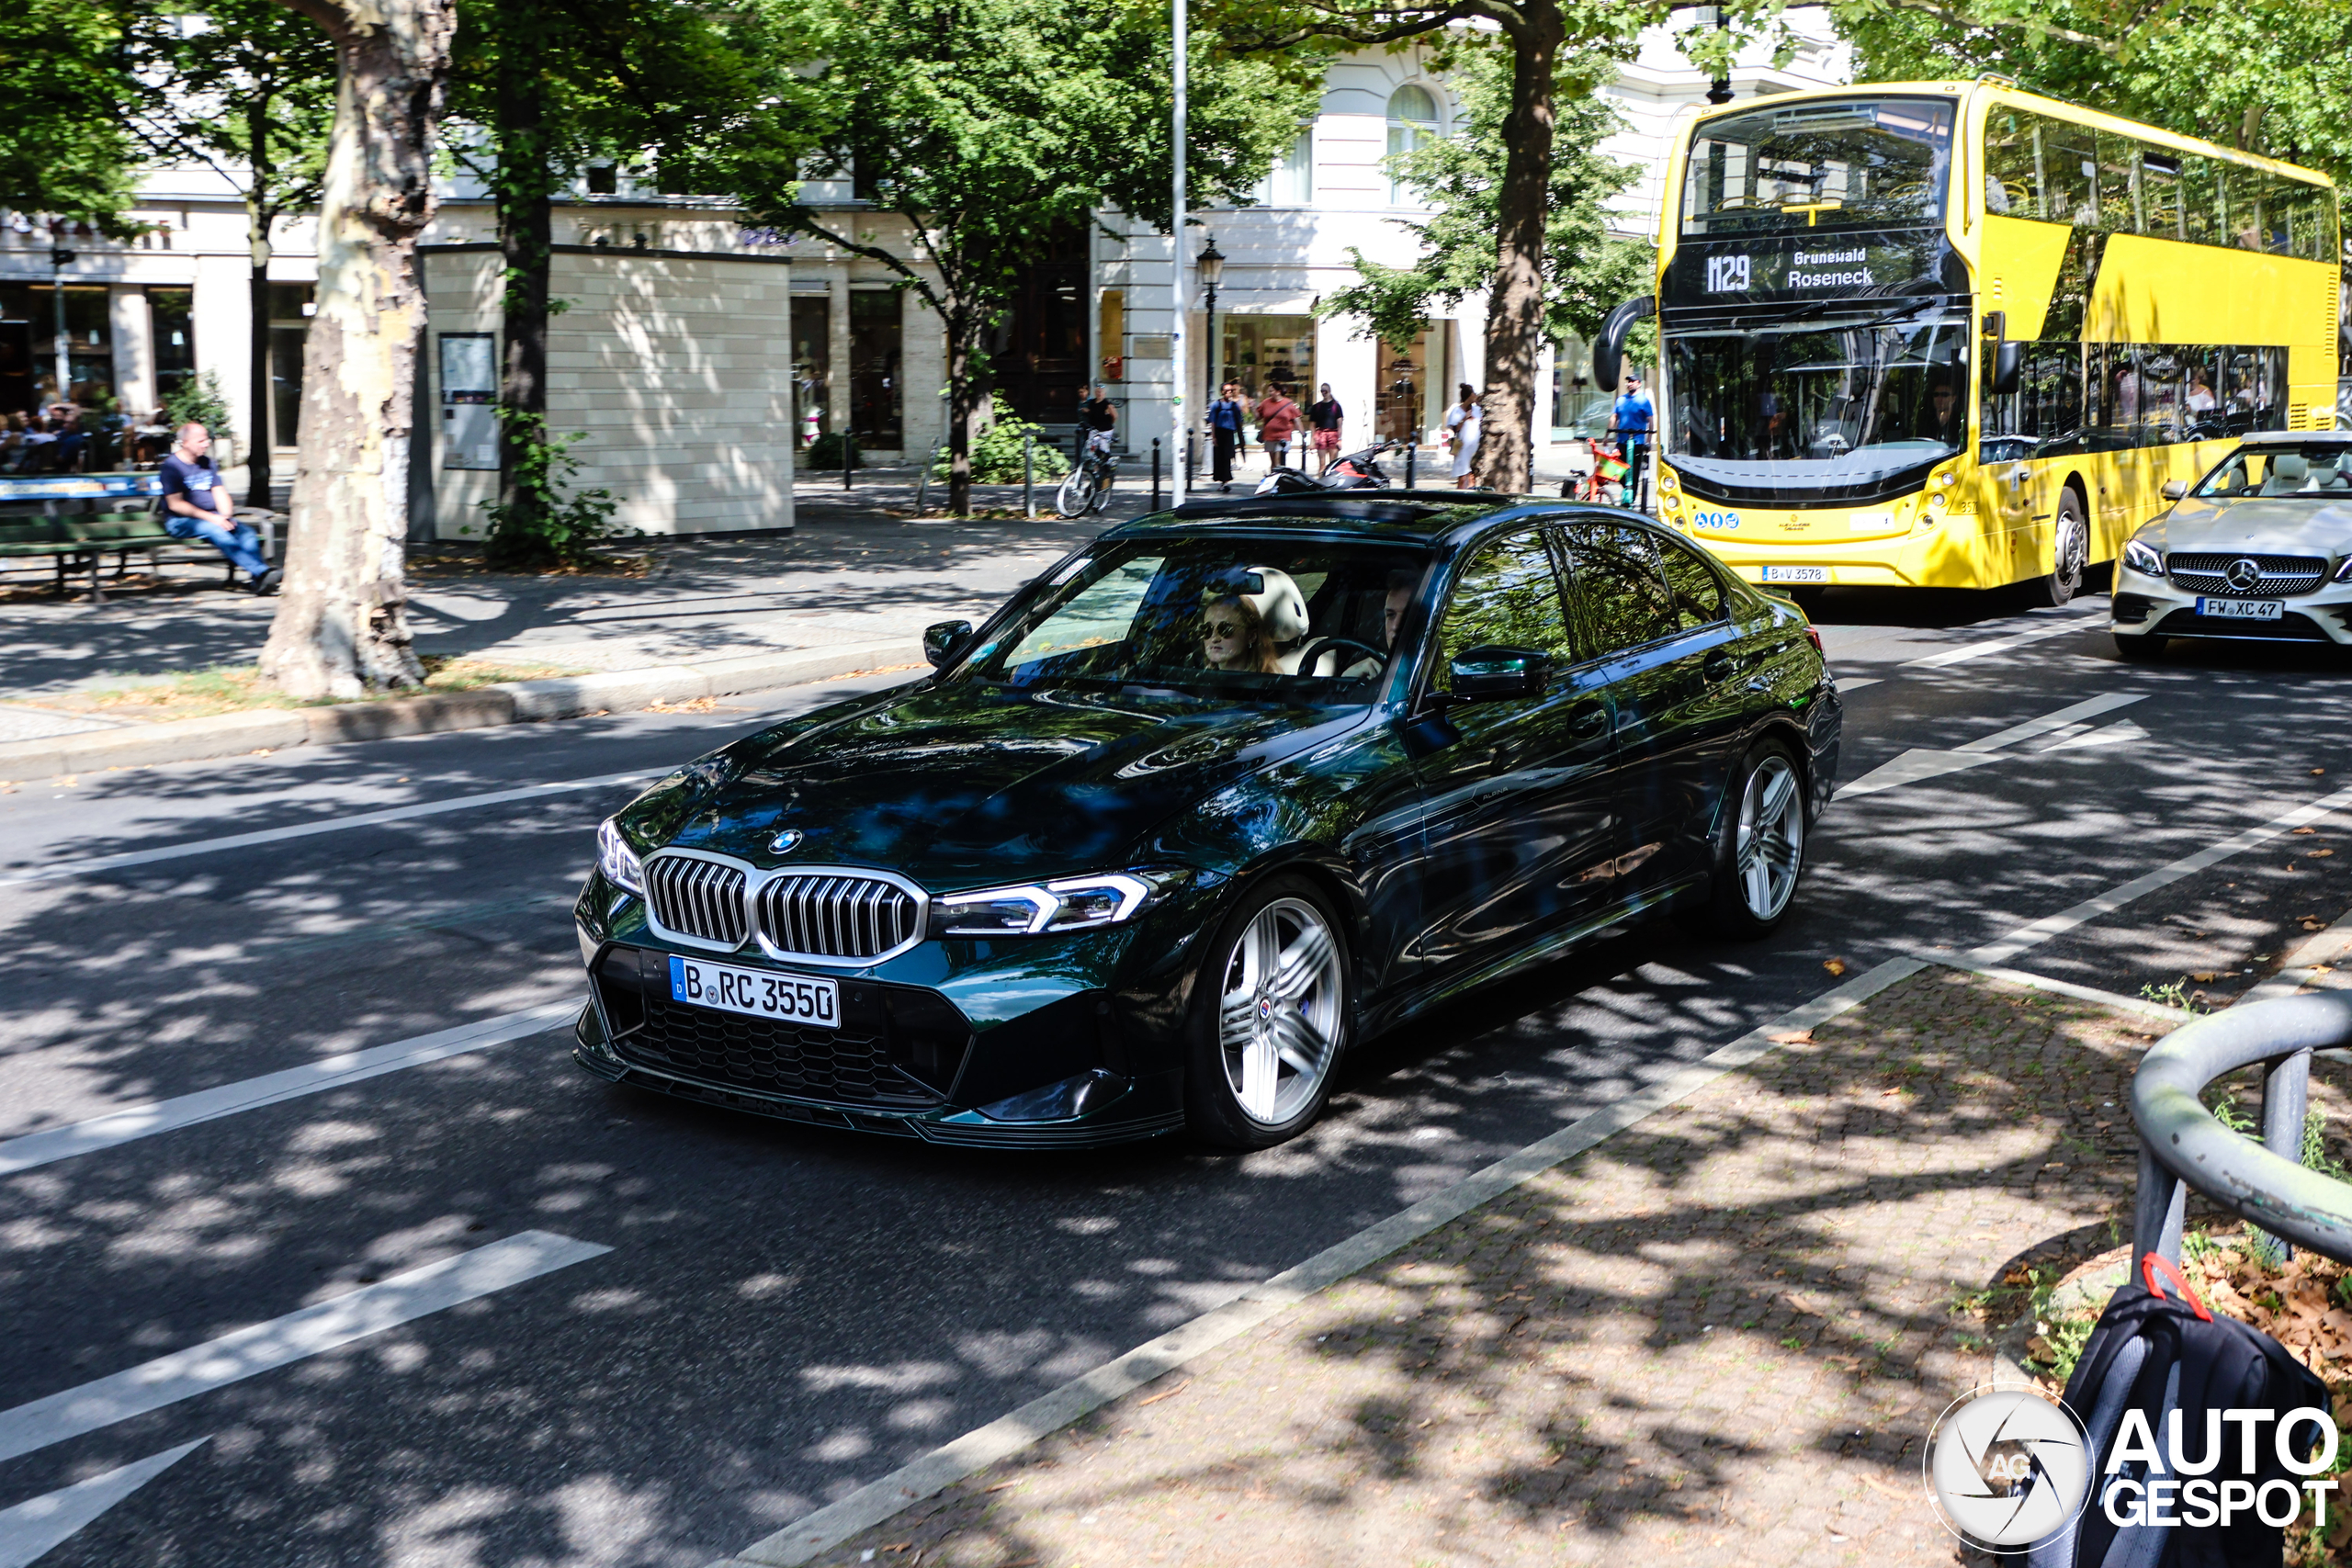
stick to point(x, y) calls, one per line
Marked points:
point(970, 783)
point(2279, 526)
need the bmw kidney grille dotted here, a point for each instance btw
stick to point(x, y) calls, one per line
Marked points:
point(802, 915)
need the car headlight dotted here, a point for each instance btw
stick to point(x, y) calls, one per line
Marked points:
point(2142, 558)
point(617, 859)
point(2343, 572)
point(1073, 904)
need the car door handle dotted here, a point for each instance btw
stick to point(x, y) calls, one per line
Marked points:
point(1720, 666)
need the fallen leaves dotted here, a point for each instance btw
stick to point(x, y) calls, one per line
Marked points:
point(1836, 967)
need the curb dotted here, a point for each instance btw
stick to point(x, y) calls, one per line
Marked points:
point(512, 702)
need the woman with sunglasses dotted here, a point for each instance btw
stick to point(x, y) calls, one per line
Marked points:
point(1233, 636)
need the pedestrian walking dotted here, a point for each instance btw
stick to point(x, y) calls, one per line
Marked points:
point(1226, 416)
point(1466, 421)
point(1634, 418)
point(1326, 415)
point(196, 506)
point(1277, 418)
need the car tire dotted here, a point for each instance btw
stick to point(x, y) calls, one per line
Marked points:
point(2147, 645)
point(1273, 1000)
point(1760, 846)
point(2070, 553)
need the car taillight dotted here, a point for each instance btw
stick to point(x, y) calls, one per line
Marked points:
point(1813, 636)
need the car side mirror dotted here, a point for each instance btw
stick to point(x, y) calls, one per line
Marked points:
point(2176, 490)
point(942, 638)
point(2008, 359)
point(1485, 674)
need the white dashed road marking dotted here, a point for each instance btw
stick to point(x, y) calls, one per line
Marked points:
point(30, 1530)
point(1920, 763)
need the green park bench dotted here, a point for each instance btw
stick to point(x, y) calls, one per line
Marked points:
point(76, 543)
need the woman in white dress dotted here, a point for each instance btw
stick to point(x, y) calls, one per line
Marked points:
point(1464, 419)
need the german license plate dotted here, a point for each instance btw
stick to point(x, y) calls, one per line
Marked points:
point(1796, 574)
point(2241, 609)
point(763, 993)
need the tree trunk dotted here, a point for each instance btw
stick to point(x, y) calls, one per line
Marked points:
point(1515, 301)
point(961, 406)
point(525, 233)
point(257, 436)
point(342, 625)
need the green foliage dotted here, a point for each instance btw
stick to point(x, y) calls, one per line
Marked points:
point(248, 93)
point(2266, 76)
point(1586, 271)
point(551, 526)
point(825, 452)
point(202, 401)
point(2172, 994)
point(2314, 1155)
point(996, 455)
point(2064, 1333)
point(62, 74)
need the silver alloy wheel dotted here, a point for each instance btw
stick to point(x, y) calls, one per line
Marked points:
point(1770, 846)
point(1279, 1011)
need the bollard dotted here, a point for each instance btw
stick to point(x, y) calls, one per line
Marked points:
point(1411, 453)
point(1155, 473)
point(1028, 476)
point(849, 458)
point(922, 487)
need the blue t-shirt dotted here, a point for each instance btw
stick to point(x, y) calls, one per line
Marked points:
point(1225, 414)
point(199, 481)
point(1634, 411)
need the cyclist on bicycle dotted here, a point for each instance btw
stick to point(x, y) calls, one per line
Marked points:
point(1098, 417)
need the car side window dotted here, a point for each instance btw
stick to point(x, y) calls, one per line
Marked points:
point(1698, 591)
point(1507, 596)
point(1624, 598)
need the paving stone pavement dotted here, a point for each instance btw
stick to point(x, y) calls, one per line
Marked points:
point(1719, 1338)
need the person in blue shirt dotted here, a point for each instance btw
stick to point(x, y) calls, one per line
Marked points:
point(1635, 416)
point(1226, 416)
point(197, 507)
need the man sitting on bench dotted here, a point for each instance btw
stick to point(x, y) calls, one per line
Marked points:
point(196, 506)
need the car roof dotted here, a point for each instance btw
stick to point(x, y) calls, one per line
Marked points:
point(1401, 515)
point(2296, 438)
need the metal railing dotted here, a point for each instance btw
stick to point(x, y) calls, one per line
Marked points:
point(2182, 1145)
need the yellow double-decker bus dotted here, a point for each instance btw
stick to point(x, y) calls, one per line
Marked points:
point(1954, 334)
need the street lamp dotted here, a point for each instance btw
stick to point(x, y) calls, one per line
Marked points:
point(1210, 262)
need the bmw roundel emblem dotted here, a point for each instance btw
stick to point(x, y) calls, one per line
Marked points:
point(784, 844)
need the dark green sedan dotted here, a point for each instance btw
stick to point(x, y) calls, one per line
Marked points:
point(1223, 792)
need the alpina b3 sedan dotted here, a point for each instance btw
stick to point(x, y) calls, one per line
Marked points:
point(2260, 549)
point(1221, 793)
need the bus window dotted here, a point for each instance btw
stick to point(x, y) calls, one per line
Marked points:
point(2289, 223)
point(2160, 193)
point(2121, 200)
point(2200, 200)
point(2242, 205)
point(1818, 165)
point(2069, 173)
point(2012, 185)
point(2200, 406)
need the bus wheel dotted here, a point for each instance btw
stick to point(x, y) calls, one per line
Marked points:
point(2070, 552)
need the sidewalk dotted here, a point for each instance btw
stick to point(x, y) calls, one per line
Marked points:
point(1719, 1338)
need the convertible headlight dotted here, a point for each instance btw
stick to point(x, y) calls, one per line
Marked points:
point(2142, 558)
point(1073, 904)
point(617, 859)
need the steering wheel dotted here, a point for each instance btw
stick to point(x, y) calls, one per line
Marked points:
point(1314, 651)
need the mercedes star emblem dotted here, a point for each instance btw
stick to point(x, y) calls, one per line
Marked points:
point(2244, 574)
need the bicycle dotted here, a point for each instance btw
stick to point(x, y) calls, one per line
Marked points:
point(1605, 482)
point(1088, 486)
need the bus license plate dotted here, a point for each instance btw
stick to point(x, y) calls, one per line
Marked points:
point(1796, 574)
point(2241, 609)
point(762, 993)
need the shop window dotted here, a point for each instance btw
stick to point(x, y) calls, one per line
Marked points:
point(1267, 351)
point(1401, 388)
point(812, 364)
point(1111, 334)
point(876, 347)
point(173, 315)
point(1412, 123)
point(291, 305)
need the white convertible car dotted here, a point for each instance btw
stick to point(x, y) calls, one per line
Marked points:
point(2261, 549)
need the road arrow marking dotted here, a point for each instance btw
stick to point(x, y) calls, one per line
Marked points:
point(2106, 735)
point(1919, 763)
point(30, 1530)
point(265, 1347)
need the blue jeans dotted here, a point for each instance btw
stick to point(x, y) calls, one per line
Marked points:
point(239, 544)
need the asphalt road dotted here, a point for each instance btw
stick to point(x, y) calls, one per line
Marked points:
point(592, 1327)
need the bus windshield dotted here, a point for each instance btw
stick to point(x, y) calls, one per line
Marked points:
point(1816, 409)
point(1831, 163)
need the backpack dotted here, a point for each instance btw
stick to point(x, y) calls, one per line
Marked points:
point(2154, 1355)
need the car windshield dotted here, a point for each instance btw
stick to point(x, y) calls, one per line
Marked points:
point(1230, 618)
point(1816, 166)
point(2306, 473)
point(1814, 403)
